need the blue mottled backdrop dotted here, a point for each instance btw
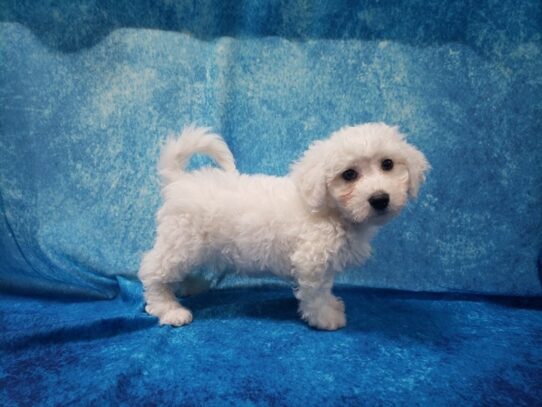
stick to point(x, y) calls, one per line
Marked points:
point(89, 91)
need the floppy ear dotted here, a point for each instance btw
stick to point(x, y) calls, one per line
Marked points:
point(417, 167)
point(309, 175)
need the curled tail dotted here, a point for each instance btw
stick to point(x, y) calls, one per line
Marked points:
point(193, 140)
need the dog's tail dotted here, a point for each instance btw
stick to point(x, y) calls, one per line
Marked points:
point(193, 140)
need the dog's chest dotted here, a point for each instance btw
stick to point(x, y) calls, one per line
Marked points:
point(353, 250)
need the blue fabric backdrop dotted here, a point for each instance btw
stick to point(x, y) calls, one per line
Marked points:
point(89, 90)
point(89, 93)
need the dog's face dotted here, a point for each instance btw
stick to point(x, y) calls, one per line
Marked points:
point(366, 173)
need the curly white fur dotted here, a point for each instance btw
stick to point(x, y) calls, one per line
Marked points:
point(304, 227)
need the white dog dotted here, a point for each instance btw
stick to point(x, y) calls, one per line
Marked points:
point(305, 227)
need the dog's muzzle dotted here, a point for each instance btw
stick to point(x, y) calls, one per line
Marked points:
point(379, 201)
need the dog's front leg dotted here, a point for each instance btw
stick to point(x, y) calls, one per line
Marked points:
point(317, 305)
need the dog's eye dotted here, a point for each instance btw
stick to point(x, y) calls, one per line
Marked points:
point(387, 164)
point(349, 175)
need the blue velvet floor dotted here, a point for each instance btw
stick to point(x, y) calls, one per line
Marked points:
point(247, 347)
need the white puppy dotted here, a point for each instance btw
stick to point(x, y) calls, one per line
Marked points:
point(305, 227)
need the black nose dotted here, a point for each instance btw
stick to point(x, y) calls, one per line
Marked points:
point(379, 201)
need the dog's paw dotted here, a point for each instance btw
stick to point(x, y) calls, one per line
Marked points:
point(329, 317)
point(337, 304)
point(329, 320)
point(176, 317)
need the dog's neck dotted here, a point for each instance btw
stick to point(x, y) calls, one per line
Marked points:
point(334, 215)
point(354, 247)
point(354, 232)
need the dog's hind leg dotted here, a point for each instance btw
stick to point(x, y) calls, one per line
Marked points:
point(158, 272)
point(162, 303)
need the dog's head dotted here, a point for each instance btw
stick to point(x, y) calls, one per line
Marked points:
point(366, 173)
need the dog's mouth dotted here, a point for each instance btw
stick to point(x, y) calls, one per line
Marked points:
point(381, 216)
point(381, 212)
point(374, 216)
point(371, 215)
